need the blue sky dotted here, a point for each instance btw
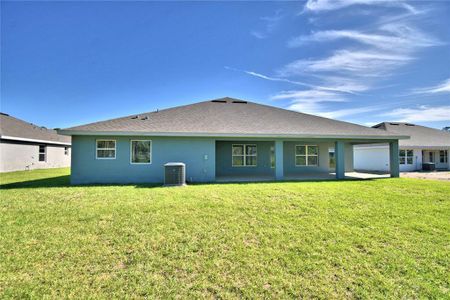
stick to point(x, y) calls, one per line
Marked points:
point(363, 61)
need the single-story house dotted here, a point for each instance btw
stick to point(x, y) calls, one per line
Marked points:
point(218, 140)
point(25, 146)
point(426, 145)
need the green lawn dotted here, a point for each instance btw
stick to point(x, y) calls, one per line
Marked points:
point(386, 238)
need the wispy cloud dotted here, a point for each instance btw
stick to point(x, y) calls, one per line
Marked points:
point(422, 113)
point(393, 37)
point(335, 84)
point(309, 101)
point(370, 54)
point(327, 5)
point(376, 52)
point(258, 34)
point(365, 63)
point(382, 49)
point(443, 87)
point(270, 78)
point(313, 95)
point(317, 108)
point(269, 25)
point(336, 114)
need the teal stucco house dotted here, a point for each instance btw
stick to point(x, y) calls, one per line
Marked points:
point(220, 140)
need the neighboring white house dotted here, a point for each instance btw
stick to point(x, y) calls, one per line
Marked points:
point(25, 146)
point(426, 145)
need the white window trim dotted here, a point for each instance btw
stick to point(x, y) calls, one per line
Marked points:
point(45, 153)
point(104, 140)
point(306, 155)
point(131, 152)
point(244, 155)
point(406, 157)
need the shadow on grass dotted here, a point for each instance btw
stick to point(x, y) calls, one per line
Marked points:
point(292, 181)
point(59, 181)
point(64, 181)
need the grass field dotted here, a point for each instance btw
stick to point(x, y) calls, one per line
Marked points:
point(386, 238)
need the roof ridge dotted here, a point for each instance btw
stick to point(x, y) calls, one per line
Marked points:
point(227, 118)
point(156, 111)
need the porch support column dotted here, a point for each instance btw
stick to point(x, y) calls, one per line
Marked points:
point(394, 162)
point(279, 172)
point(340, 159)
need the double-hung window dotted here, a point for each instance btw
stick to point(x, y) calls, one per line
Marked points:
point(141, 151)
point(244, 155)
point(406, 157)
point(443, 156)
point(42, 153)
point(306, 155)
point(106, 149)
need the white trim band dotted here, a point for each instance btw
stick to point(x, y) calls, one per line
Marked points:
point(32, 140)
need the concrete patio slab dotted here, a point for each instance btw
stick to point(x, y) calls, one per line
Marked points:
point(303, 177)
point(436, 175)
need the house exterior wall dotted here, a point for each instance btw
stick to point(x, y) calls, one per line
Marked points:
point(224, 165)
point(205, 158)
point(348, 157)
point(376, 158)
point(17, 156)
point(349, 163)
point(289, 158)
point(417, 161)
point(197, 153)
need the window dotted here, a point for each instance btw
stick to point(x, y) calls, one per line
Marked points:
point(272, 157)
point(431, 156)
point(243, 156)
point(106, 149)
point(406, 157)
point(66, 150)
point(42, 153)
point(306, 155)
point(141, 152)
point(443, 156)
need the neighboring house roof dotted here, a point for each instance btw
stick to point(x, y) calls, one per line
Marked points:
point(15, 129)
point(228, 117)
point(421, 136)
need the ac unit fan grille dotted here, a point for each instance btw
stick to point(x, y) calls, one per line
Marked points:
point(174, 175)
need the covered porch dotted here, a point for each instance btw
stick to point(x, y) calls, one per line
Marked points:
point(436, 156)
point(240, 160)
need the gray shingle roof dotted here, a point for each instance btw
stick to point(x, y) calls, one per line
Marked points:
point(421, 136)
point(13, 128)
point(228, 117)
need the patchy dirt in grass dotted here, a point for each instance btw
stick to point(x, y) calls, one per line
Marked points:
point(442, 175)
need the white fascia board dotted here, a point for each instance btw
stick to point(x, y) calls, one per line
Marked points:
point(369, 146)
point(426, 147)
point(14, 138)
point(227, 135)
